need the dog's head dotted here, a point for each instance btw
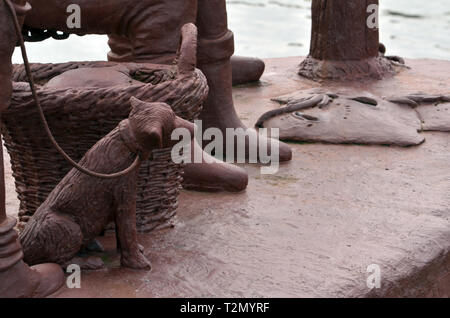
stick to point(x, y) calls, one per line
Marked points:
point(152, 124)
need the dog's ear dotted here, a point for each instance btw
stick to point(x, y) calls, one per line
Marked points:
point(136, 104)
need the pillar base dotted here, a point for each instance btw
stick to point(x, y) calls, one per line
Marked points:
point(371, 68)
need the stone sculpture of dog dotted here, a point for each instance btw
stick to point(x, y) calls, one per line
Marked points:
point(79, 208)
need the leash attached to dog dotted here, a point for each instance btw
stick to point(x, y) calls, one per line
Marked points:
point(74, 164)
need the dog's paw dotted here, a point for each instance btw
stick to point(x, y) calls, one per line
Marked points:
point(94, 246)
point(91, 263)
point(140, 247)
point(138, 261)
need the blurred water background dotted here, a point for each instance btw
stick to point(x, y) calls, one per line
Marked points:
point(277, 28)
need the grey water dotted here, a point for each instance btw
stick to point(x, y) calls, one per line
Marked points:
point(278, 28)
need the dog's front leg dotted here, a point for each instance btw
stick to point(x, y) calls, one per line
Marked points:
point(125, 219)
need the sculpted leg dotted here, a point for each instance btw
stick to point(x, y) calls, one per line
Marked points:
point(17, 279)
point(126, 234)
point(216, 46)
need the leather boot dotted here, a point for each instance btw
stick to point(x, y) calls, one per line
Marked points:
point(17, 279)
point(246, 69)
point(216, 46)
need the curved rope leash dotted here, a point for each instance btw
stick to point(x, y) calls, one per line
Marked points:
point(74, 164)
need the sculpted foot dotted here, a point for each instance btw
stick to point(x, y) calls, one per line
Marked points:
point(246, 69)
point(137, 261)
point(51, 278)
point(88, 263)
point(214, 56)
point(219, 112)
point(140, 247)
point(17, 279)
point(213, 175)
point(94, 246)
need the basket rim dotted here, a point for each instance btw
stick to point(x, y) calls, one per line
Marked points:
point(22, 101)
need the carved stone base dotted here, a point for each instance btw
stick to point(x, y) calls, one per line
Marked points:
point(373, 68)
point(17, 279)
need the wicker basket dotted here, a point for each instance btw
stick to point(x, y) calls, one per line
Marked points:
point(78, 118)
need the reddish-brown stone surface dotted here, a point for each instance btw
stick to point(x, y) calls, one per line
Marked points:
point(312, 229)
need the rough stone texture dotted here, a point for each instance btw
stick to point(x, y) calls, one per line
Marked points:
point(376, 67)
point(312, 229)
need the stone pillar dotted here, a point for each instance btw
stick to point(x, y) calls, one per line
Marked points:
point(344, 41)
point(215, 48)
